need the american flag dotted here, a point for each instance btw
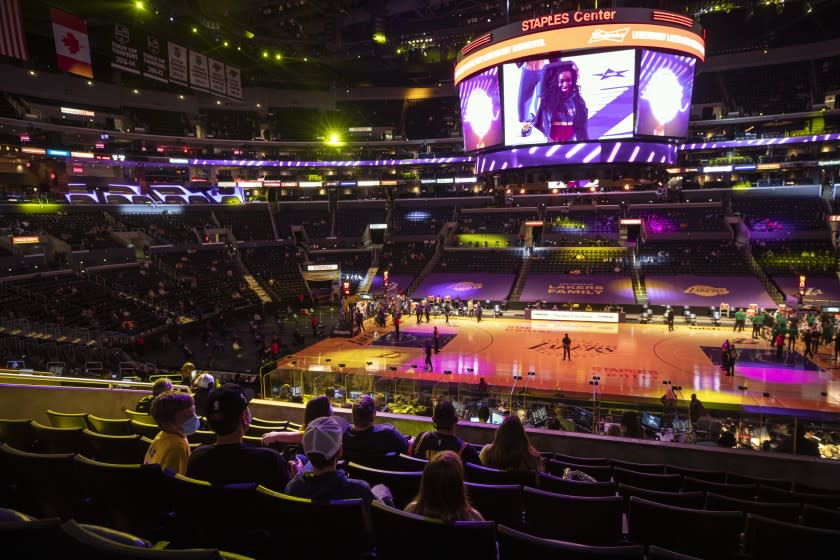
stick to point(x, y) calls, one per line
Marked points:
point(12, 38)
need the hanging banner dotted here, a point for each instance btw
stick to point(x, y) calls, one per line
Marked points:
point(154, 59)
point(234, 83)
point(72, 47)
point(125, 54)
point(217, 76)
point(199, 77)
point(177, 64)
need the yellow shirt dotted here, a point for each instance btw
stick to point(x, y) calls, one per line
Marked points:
point(170, 451)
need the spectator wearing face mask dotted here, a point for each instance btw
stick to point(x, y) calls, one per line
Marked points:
point(174, 414)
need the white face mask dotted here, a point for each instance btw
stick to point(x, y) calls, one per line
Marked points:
point(191, 426)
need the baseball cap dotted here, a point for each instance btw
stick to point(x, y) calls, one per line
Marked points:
point(205, 381)
point(323, 435)
point(228, 401)
point(444, 415)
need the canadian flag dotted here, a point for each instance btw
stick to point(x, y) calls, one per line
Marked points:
point(72, 48)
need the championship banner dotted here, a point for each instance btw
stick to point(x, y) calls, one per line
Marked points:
point(177, 64)
point(234, 82)
point(199, 76)
point(154, 60)
point(125, 54)
point(72, 47)
point(217, 76)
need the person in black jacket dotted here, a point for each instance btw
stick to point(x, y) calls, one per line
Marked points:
point(428, 444)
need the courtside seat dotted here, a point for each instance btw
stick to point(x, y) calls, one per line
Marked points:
point(599, 473)
point(650, 468)
point(140, 506)
point(338, 528)
point(581, 519)
point(656, 553)
point(816, 516)
point(128, 449)
point(403, 485)
point(33, 539)
point(109, 426)
point(141, 416)
point(658, 482)
point(781, 511)
point(97, 542)
point(501, 503)
point(710, 476)
point(515, 545)
point(198, 521)
point(488, 475)
point(17, 433)
point(694, 500)
point(40, 482)
point(404, 536)
point(705, 534)
point(594, 461)
point(781, 483)
point(57, 440)
point(770, 494)
point(740, 491)
point(559, 485)
point(769, 539)
point(67, 419)
point(146, 430)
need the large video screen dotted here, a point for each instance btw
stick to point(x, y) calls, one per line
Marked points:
point(569, 99)
point(481, 114)
point(665, 84)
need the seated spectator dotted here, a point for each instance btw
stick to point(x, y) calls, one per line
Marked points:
point(202, 386)
point(229, 461)
point(798, 444)
point(631, 425)
point(428, 444)
point(318, 407)
point(442, 493)
point(161, 385)
point(322, 446)
point(365, 441)
point(174, 414)
point(511, 450)
point(484, 414)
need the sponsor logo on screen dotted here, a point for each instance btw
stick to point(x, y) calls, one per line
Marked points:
point(615, 36)
point(705, 291)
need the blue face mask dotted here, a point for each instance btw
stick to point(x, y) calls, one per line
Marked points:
point(191, 426)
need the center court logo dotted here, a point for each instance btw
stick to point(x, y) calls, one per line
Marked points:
point(576, 288)
point(582, 348)
point(465, 286)
point(705, 291)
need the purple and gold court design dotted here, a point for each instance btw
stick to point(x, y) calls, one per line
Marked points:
point(704, 291)
point(574, 288)
point(494, 287)
point(632, 361)
point(819, 290)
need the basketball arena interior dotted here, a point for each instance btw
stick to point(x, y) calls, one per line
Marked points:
point(613, 223)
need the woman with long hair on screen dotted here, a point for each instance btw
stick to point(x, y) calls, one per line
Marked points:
point(511, 449)
point(442, 493)
point(562, 114)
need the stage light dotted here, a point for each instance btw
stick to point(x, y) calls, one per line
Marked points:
point(278, 56)
point(139, 5)
point(265, 54)
point(380, 38)
point(226, 44)
point(195, 29)
point(333, 139)
point(249, 34)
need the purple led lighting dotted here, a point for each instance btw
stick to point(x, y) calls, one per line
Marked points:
point(760, 142)
point(584, 152)
point(664, 94)
point(359, 163)
point(481, 112)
